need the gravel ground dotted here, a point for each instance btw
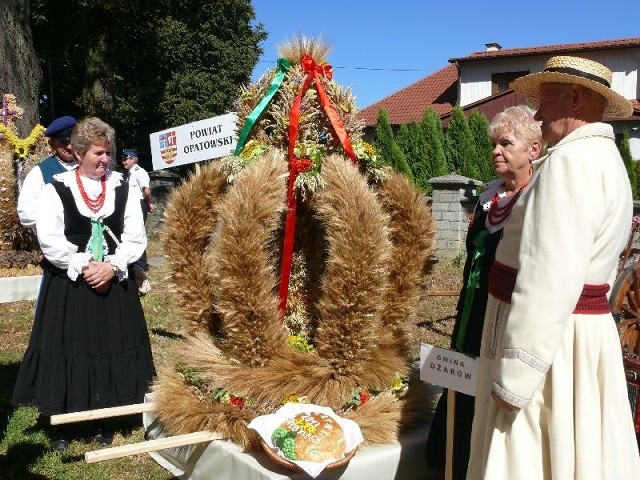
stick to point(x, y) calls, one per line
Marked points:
point(436, 314)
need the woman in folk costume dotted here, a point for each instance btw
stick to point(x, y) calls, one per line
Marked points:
point(89, 347)
point(551, 397)
point(517, 142)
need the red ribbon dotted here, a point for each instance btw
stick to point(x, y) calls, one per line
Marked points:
point(297, 166)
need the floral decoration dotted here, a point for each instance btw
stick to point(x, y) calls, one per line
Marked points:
point(359, 397)
point(300, 343)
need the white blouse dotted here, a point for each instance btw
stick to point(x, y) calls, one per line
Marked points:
point(492, 188)
point(50, 224)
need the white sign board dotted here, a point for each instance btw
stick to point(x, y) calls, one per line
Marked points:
point(448, 369)
point(194, 142)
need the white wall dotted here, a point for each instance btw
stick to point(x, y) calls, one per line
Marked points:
point(475, 76)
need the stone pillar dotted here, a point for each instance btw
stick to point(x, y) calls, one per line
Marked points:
point(453, 199)
point(161, 184)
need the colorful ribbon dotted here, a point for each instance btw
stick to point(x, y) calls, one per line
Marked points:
point(96, 242)
point(283, 66)
point(297, 166)
point(479, 242)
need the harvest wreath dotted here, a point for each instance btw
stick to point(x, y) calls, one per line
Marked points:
point(17, 157)
point(296, 263)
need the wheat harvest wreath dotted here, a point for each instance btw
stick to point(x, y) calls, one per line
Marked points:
point(296, 262)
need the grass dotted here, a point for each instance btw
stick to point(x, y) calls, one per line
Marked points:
point(24, 447)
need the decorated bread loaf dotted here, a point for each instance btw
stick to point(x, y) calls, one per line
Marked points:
point(310, 437)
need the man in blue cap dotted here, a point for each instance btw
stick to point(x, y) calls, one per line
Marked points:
point(139, 180)
point(59, 134)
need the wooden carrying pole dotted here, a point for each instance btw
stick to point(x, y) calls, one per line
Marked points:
point(150, 446)
point(101, 413)
point(137, 448)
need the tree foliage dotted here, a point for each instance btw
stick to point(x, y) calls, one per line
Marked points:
point(386, 145)
point(434, 135)
point(144, 65)
point(460, 147)
point(412, 141)
point(629, 163)
point(479, 126)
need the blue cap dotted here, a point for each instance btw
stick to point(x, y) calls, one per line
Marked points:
point(60, 127)
point(129, 152)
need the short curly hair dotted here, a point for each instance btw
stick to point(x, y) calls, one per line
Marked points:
point(91, 131)
point(519, 121)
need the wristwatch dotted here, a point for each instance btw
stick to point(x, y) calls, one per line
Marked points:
point(115, 268)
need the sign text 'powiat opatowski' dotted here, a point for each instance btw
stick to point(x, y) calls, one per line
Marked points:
point(194, 142)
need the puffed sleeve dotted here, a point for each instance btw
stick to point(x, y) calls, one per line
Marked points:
point(564, 212)
point(28, 197)
point(134, 237)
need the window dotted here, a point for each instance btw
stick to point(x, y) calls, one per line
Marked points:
point(500, 81)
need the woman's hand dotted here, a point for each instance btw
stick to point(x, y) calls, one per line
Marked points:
point(98, 275)
point(503, 405)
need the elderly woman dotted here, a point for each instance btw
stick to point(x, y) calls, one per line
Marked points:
point(89, 346)
point(516, 137)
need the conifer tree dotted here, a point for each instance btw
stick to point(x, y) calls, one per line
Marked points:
point(412, 142)
point(479, 125)
point(388, 149)
point(625, 153)
point(435, 143)
point(461, 151)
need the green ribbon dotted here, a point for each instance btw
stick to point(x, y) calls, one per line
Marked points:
point(96, 242)
point(283, 66)
point(479, 242)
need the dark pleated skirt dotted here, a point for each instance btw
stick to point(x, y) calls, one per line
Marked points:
point(87, 350)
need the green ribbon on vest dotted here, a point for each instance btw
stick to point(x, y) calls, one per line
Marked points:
point(96, 242)
point(283, 66)
point(479, 242)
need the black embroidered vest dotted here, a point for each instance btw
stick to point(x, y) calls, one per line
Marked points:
point(77, 227)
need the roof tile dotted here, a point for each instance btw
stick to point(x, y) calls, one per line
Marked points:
point(438, 90)
point(554, 49)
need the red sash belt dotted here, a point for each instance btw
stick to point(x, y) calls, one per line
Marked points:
point(592, 301)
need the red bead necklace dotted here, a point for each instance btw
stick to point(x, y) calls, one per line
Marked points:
point(498, 214)
point(93, 205)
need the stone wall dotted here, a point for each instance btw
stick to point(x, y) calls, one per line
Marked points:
point(452, 201)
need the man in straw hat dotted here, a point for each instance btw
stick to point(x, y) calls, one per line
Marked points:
point(551, 397)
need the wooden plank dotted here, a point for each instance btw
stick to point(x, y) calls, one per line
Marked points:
point(451, 418)
point(443, 293)
point(150, 446)
point(101, 413)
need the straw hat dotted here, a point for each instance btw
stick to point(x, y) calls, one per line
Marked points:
point(578, 71)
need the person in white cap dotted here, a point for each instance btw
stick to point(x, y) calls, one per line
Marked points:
point(62, 159)
point(551, 399)
point(139, 178)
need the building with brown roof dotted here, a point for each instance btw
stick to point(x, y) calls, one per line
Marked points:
point(481, 81)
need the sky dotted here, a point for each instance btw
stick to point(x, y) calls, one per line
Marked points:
point(381, 47)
